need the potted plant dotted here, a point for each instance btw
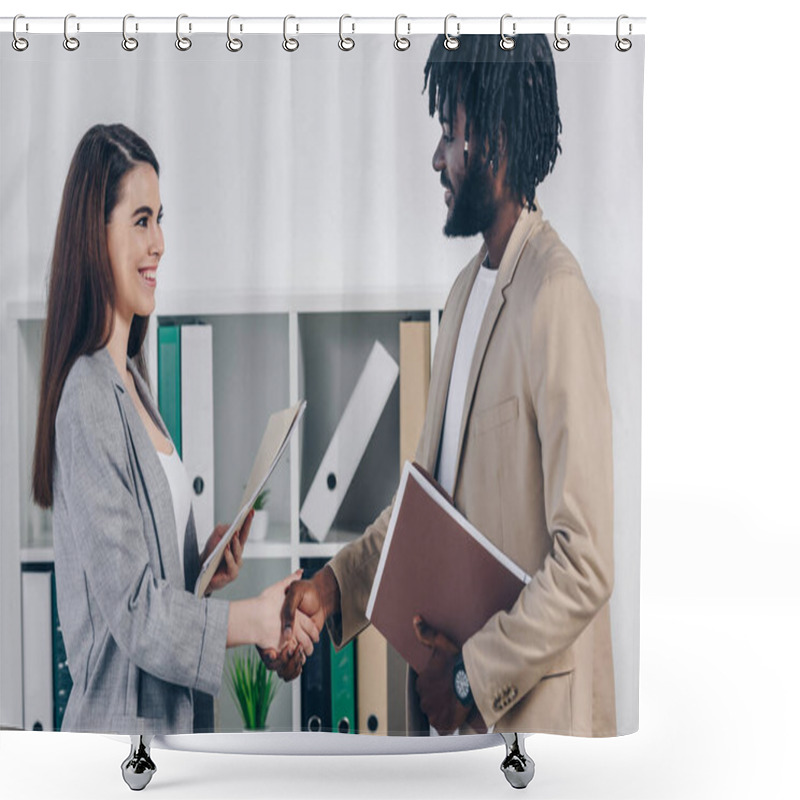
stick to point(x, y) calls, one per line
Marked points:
point(252, 686)
point(260, 524)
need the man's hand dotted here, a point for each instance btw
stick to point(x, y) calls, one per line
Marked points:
point(317, 598)
point(228, 569)
point(437, 699)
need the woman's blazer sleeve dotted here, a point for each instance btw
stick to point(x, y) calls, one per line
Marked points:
point(163, 629)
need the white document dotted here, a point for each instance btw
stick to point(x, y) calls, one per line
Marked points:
point(37, 651)
point(350, 440)
point(279, 430)
point(197, 422)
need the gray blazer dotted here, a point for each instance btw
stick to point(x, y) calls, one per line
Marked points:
point(139, 643)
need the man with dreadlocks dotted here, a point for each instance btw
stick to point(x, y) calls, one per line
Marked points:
point(518, 424)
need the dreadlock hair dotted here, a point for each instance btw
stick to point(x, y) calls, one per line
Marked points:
point(515, 88)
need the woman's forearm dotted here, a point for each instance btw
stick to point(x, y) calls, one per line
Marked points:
point(242, 623)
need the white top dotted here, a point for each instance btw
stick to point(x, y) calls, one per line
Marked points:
point(181, 493)
point(456, 393)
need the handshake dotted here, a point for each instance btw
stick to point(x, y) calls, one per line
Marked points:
point(307, 604)
point(305, 607)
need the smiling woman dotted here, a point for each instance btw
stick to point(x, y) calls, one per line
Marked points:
point(144, 652)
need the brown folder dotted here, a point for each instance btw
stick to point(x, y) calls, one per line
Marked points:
point(435, 563)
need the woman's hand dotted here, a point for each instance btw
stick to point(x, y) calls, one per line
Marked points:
point(228, 569)
point(304, 632)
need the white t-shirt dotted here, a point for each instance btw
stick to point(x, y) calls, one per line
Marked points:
point(181, 494)
point(456, 393)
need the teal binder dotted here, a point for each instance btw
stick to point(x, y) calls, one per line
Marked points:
point(62, 680)
point(169, 380)
point(343, 689)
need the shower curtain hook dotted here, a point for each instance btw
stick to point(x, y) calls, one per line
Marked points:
point(561, 43)
point(345, 42)
point(18, 43)
point(183, 43)
point(507, 42)
point(128, 42)
point(289, 44)
point(401, 42)
point(623, 45)
point(451, 42)
point(70, 42)
point(233, 44)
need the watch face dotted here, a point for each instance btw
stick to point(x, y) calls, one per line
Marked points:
point(462, 684)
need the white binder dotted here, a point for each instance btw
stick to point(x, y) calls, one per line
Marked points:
point(37, 651)
point(350, 440)
point(197, 423)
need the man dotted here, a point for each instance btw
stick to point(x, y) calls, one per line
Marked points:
point(518, 423)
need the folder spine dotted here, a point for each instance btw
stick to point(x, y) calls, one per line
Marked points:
point(169, 381)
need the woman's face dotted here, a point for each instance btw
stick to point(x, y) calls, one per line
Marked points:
point(136, 243)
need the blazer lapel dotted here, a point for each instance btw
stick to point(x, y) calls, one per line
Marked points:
point(155, 481)
point(525, 226)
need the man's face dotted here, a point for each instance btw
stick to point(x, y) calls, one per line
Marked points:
point(465, 175)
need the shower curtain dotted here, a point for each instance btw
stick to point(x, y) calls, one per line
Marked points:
point(439, 250)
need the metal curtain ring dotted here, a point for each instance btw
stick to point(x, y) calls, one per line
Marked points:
point(128, 42)
point(345, 42)
point(561, 43)
point(507, 42)
point(400, 42)
point(233, 44)
point(451, 42)
point(623, 45)
point(18, 43)
point(183, 43)
point(289, 44)
point(70, 42)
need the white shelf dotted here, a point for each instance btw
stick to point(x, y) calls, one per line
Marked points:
point(35, 555)
point(197, 304)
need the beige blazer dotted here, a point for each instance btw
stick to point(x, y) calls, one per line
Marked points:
point(535, 475)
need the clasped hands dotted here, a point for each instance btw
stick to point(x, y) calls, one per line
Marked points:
point(319, 598)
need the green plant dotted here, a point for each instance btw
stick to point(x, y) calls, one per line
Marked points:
point(261, 501)
point(252, 686)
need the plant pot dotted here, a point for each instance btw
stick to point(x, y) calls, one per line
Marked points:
point(259, 526)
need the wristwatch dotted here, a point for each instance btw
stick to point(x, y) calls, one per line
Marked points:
point(461, 685)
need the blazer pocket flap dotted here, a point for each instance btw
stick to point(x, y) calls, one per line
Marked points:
point(494, 417)
point(562, 664)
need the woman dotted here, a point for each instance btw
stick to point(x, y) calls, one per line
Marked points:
point(142, 649)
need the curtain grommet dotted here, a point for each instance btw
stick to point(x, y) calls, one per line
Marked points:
point(19, 43)
point(561, 43)
point(346, 43)
point(507, 42)
point(401, 43)
point(233, 44)
point(290, 44)
point(129, 43)
point(183, 43)
point(451, 42)
point(71, 43)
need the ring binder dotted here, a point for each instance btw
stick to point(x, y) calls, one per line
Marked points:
point(507, 42)
point(346, 43)
point(290, 44)
point(18, 43)
point(451, 42)
point(401, 43)
point(71, 43)
point(129, 43)
point(183, 43)
point(233, 44)
point(561, 43)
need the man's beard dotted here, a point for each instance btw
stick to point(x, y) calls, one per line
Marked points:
point(474, 208)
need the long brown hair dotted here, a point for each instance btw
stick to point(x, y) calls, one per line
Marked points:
point(81, 288)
